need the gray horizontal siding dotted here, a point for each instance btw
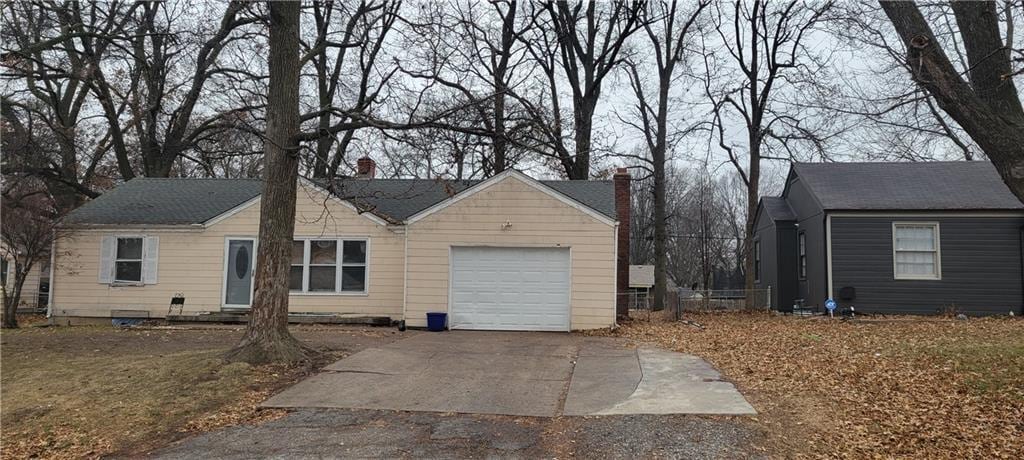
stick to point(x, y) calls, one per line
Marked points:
point(767, 236)
point(980, 258)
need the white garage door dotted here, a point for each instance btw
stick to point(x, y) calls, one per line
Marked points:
point(513, 289)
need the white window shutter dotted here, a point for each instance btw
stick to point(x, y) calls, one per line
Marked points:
point(108, 249)
point(150, 256)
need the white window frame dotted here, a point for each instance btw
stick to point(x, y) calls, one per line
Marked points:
point(141, 260)
point(339, 265)
point(307, 261)
point(757, 259)
point(801, 255)
point(938, 251)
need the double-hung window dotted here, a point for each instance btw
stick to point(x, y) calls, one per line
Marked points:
point(915, 247)
point(328, 265)
point(757, 260)
point(802, 244)
point(128, 260)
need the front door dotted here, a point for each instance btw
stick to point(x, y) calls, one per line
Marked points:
point(239, 273)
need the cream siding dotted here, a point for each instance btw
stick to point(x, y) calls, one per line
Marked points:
point(30, 289)
point(537, 220)
point(191, 262)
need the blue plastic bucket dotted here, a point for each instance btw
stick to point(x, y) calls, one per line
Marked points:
point(436, 321)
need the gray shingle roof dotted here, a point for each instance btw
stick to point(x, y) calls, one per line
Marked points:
point(396, 199)
point(777, 208)
point(948, 185)
point(159, 201)
point(149, 201)
point(399, 199)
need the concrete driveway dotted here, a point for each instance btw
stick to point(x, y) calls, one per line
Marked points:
point(517, 373)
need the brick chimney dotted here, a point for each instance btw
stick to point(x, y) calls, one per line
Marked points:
point(622, 193)
point(366, 168)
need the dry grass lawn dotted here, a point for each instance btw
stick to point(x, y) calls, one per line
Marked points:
point(872, 388)
point(93, 391)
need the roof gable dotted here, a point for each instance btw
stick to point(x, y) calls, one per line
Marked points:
point(584, 197)
point(777, 208)
point(950, 185)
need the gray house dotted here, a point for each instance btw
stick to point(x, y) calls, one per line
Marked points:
point(918, 238)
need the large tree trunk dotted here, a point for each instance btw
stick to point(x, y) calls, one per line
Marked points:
point(753, 186)
point(583, 117)
point(988, 108)
point(65, 195)
point(507, 41)
point(266, 336)
point(660, 200)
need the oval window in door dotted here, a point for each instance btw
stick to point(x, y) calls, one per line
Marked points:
point(242, 262)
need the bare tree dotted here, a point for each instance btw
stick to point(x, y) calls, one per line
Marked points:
point(986, 105)
point(473, 52)
point(667, 30)
point(162, 100)
point(766, 41)
point(590, 41)
point(891, 118)
point(266, 337)
point(360, 38)
point(48, 84)
point(28, 230)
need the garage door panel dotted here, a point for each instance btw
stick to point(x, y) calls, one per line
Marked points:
point(510, 288)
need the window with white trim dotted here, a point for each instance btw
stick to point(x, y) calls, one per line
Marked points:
point(128, 260)
point(802, 243)
point(915, 248)
point(328, 265)
point(757, 260)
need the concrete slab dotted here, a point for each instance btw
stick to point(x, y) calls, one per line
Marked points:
point(674, 383)
point(384, 361)
point(499, 367)
point(601, 381)
point(526, 374)
point(489, 342)
point(462, 394)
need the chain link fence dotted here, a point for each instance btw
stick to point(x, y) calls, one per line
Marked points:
point(685, 300)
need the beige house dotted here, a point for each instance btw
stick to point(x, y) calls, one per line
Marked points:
point(506, 253)
point(34, 291)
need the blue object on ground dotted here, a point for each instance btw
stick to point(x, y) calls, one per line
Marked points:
point(436, 321)
point(126, 322)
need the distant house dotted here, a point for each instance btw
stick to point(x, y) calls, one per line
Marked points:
point(36, 290)
point(917, 238)
point(641, 285)
point(509, 252)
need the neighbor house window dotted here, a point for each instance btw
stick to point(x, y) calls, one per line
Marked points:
point(128, 260)
point(916, 251)
point(328, 265)
point(802, 244)
point(757, 260)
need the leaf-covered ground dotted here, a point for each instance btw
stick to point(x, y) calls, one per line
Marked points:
point(880, 387)
point(86, 392)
